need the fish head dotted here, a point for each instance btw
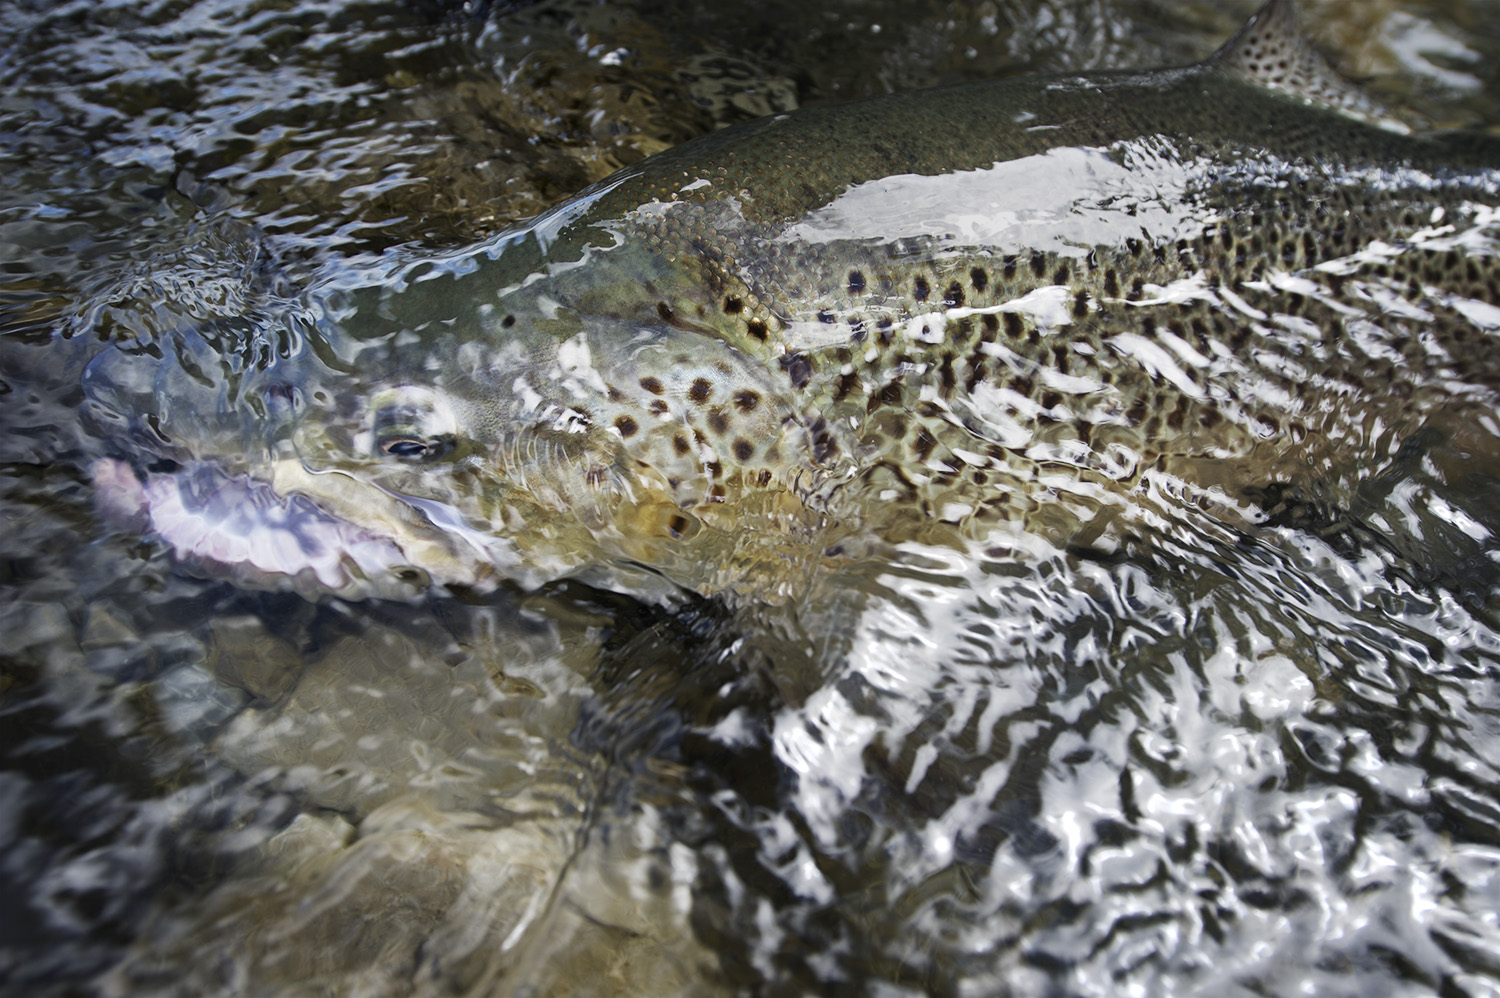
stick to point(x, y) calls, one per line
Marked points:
point(453, 443)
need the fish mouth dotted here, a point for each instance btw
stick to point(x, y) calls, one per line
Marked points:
point(313, 533)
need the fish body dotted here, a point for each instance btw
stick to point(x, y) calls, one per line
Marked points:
point(928, 315)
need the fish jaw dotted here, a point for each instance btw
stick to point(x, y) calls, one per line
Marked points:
point(280, 534)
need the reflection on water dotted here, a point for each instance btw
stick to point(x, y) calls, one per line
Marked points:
point(1231, 761)
point(1041, 208)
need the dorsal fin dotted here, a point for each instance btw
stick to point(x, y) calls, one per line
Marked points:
point(1271, 52)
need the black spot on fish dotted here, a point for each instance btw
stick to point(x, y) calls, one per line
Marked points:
point(1133, 245)
point(921, 290)
point(626, 426)
point(824, 446)
point(745, 400)
point(733, 305)
point(1012, 324)
point(847, 383)
point(763, 478)
point(680, 444)
point(1081, 304)
point(978, 371)
point(743, 449)
point(889, 394)
point(700, 390)
point(857, 331)
point(507, 322)
point(716, 494)
point(1009, 267)
point(653, 385)
point(826, 317)
point(883, 335)
point(718, 422)
point(1111, 283)
point(757, 328)
point(1176, 416)
point(954, 296)
point(923, 445)
point(658, 407)
point(991, 326)
point(856, 283)
point(677, 524)
point(1038, 264)
point(1240, 338)
point(1051, 400)
point(1137, 412)
point(798, 368)
point(1061, 276)
point(979, 279)
point(1021, 385)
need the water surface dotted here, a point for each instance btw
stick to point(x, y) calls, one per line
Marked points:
point(1228, 764)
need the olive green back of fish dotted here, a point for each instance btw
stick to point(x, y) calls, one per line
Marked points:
point(1286, 318)
point(945, 409)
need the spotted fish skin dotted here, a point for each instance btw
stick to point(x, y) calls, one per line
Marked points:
point(929, 314)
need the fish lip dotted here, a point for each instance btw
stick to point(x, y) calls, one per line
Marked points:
point(232, 524)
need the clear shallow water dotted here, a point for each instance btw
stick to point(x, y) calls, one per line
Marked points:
point(1223, 764)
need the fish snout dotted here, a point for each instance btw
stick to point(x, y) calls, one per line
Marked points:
point(183, 397)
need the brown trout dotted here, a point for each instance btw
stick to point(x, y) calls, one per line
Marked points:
point(1030, 304)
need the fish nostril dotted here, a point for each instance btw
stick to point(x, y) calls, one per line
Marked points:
point(412, 576)
point(281, 398)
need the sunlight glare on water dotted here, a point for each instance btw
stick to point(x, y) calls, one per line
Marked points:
point(1164, 766)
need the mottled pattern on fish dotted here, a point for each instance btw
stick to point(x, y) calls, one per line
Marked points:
point(1001, 302)
point(925, 378)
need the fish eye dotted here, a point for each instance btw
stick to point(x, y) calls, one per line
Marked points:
point(412, 425)
point(414, 448)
